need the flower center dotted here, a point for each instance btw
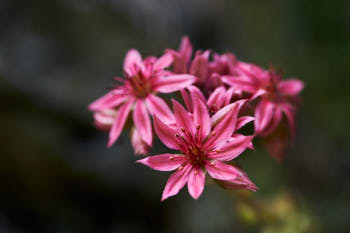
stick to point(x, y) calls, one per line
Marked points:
point(192, 147)
point(140, 85)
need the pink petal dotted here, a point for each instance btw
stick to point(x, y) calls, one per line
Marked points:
point(163, 62)
point(239, 82)
point(290, 114)
point(183, 119)
point(231, 149)
point(165, 133)
point(196, 182)
point(110, 100)
point(228, 95)
point(241, 182)
point(217, 117)
point(194, 91)
point(275, 121)
point(257, 93)
point(216, 99)
point(185, 49)
point(221, 171)
point(140, 146)
point(119, 122)
point(242, 121)
point(201, 118)
point(133, 62)
point(104, 119)
point(164, 162)
point(176, 181)
point(291, 86)
point(263, 115)
point(173, 83)
point(158, 107)
point(226, 127)
point(238, 135)
point(187, 100)
point(142, 122)
point(199, 68)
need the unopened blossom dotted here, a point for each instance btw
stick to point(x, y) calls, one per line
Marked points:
point(203, 149)
point(137, 94)
point(276, 96)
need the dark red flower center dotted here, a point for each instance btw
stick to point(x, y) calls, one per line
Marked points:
point(140, 84)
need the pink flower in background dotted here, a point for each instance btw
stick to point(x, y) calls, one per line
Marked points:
point(143, 79)
point(182, 57)
point(277, 96)
point(205, 149)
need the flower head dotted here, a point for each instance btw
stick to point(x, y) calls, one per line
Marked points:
point(204, 148)
point(277, 96)
point(137, 93)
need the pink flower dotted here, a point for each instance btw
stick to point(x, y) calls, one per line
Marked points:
point(182, 57)
point(205, 149)
point(143, 79)
point(277, 96)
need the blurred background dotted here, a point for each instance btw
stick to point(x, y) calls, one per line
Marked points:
point(57, 175)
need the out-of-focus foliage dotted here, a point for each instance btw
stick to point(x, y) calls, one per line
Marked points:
point(56, 173)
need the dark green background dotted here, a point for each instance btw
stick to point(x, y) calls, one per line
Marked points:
point(56, 174)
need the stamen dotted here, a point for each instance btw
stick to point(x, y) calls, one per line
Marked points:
point(171, 157)
point(181, 167)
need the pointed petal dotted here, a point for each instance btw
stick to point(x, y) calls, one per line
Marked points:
point(228, 96)
point(195, 91)
point(201, 118)
point(216, 99)
point(119, 122)
point(196, 182)
point(176, 181)
point(258, 93)
point(241, 182)
point(290, 114)
point(142, 122)
point(231, 149)
point(199, 68)
point(240, 82)
point(291, 86)
point(110, 100)
point(242, 121)
point(164, 162)
point(173, 83)
point(225, 128)
point(221, 171)
point(263, 115)
point(238, 135)
point(275, 121)
point(104, 119)
point(165, 133)
point(140, 146)
point(132, 62)
point(183, 119)
point(163, 62)
point(185, 49)
point(158, 107)
point(217, 117)
point(187, 100)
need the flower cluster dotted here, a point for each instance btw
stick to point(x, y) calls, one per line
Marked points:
point(221, 94)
